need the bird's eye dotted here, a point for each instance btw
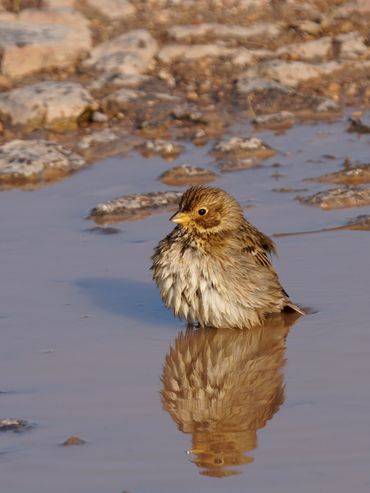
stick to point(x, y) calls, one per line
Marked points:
point(201, 212)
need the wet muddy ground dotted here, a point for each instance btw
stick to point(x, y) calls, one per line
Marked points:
point(84, 338)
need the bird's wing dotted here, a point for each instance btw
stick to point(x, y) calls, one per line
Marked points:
point(257, 244)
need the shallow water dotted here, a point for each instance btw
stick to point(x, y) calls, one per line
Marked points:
point(84, 337)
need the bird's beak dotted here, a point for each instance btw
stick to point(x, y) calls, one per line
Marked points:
point(180, 218)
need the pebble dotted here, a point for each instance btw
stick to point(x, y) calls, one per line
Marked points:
point(36, 161)
point(187, 175)
point(136, 206)
point(53, 105)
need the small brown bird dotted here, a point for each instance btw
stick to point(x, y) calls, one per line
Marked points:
point(214, 268)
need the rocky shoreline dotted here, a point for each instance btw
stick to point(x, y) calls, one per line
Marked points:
point(84, 79)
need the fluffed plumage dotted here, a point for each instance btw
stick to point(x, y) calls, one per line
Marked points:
point(214, 268)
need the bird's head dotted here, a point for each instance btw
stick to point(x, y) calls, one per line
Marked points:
point(206, 210)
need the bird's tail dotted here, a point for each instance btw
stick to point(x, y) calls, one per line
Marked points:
point(292, 306)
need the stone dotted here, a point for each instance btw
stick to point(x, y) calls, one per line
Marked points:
point(73, 440)
point(36, 161)
point(187, 33)
point(238, 147)
point(352, 45)
point(292, 73)
point(187, 175)
point(60, 3)
point(109, 81)
point(358, 124)
point(170, 53)
point(99, 117)
point(316, 49)
point(132, 207)
point(121, 99)
point(282, 119)
point(57, 40)
point(104, 136)
point(353, 175)
point(53, 105)
point(238, 165)
point(112, 9)
point(16, 425)
point(68, 17)
point(165, 148)
point(128, 54)
point(338, 198)
point(266, 96)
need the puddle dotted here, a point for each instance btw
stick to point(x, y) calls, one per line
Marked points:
point(90, 298)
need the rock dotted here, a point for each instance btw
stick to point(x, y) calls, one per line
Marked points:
point(356, 175)
point(187, 175)
point(35, 161)
point(59, 3)
point(16, 425)
point(108, 81)
point(356, 6)
point(52, 105)
point(314, 50)
point(358, 223)
point(132, 207)
point(73, 440)
point(68, 17)
point(120, 100)
point(282, 119)
point(352, 45)
point(338, 198)
point(187, 33)
point(292, 73)
point(112, 9)
point(266, 96)
point(238, 165)
point(27, 47)
point(238, 147)
point(165, 148)
point(128, 54)
point(100, 137)
point(172, 52)
point(360, 125)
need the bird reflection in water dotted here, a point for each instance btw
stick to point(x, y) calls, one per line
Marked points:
point(222, 386)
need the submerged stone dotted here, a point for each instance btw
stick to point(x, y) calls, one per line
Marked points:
point(338, 198)
point(14, 424)
point(136, 206)
point(239, 147)
point(187, 175)
point(165, 148)
point(354, 175)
